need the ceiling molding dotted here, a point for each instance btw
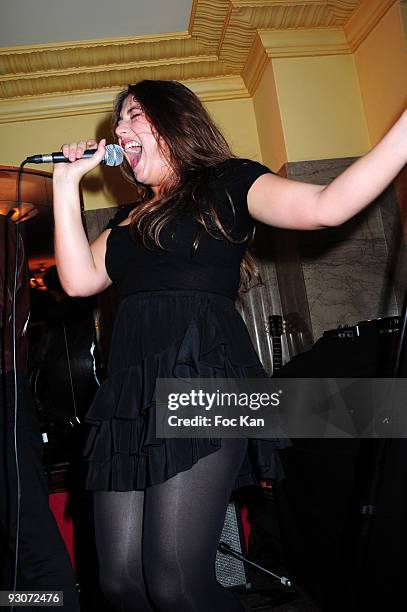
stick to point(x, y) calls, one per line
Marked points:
point(219, 88)
point(219, 30)
point(57, 105)
point(94, 102)
point(224, 40)
point(94, 42)
point(336, 4)
point(107, 76)
point(343, 9)
point(209, 22)
point(17, 62)
point(303, 43)
point(251, 16)
point(256, 63)
point(364, 20)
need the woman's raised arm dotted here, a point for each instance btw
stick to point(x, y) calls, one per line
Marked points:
point(81, 267)
point(294, 205)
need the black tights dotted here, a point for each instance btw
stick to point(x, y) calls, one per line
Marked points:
point(157, 547)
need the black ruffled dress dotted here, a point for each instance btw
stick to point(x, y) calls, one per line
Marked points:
point(177, 318)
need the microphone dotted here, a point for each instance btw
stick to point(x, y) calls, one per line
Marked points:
point(113, 157)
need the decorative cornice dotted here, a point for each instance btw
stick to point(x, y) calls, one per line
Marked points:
point(209, 22)
point(93, 102)
point(56, 105)
point(94, 42)
point(226, 40)
point(342, 9)
point(255, 65)
point(364, 19)
point(219, 88)
point(218, 42)
point(107, 76)
point(251, 16)
point(344, 5)
point(303, 43)
point(18, 61)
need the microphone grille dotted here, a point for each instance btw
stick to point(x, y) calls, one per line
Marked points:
point(114, 155)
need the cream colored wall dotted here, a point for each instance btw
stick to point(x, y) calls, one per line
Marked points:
point(334, 105)
point(321, 107)
point(381, 62)
point(105, 186)
point(236, 119)
point(26, 138)
point(268, 119)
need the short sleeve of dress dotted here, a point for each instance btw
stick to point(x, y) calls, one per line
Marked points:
point(242, 172)
point(234, 178)
point(121, 214)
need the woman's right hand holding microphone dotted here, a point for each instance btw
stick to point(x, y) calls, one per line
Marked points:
point(81, 266)
point(77, 167)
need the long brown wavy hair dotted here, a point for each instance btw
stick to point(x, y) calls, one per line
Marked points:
point(192, 144)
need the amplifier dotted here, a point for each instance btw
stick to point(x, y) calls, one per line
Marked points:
point(384, 325)
point(230, 571)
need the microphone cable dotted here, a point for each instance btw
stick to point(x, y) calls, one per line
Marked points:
point(15, 385)
point(113, 157)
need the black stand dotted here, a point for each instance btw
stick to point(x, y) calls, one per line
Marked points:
point(260, 598)
point(228, 550)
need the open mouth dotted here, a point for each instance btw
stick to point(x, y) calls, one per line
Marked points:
point(133, 150)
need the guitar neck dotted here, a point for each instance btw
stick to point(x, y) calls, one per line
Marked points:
point(276, 328)
point(277, 353)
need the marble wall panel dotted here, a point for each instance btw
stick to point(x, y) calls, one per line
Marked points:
point(347, 285)
point(347, 271)
point(392, 203)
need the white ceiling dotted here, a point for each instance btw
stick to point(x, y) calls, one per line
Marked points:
point(27, 22)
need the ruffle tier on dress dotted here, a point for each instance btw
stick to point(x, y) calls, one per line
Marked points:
point(165, 334)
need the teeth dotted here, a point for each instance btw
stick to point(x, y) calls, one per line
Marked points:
point(129, 146)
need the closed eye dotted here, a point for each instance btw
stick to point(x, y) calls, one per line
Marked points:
point(135, 111)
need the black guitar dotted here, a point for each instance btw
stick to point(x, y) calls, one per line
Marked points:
point(276, 330)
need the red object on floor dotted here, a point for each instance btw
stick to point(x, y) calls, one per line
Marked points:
point(58, 503)
point(246, 527)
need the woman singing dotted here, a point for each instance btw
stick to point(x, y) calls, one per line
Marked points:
point(178, 256)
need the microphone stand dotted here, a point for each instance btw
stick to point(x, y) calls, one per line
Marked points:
point(226, 549)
